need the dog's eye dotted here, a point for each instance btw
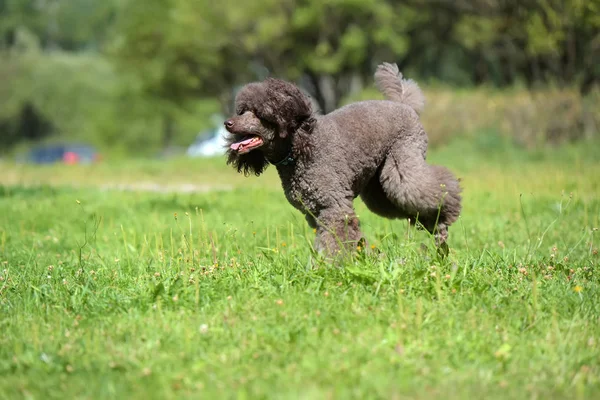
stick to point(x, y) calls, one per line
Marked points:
point(260, 116)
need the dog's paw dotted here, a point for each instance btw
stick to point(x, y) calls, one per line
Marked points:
point(443, 250)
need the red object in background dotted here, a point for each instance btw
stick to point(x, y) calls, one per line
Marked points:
point(70, 158)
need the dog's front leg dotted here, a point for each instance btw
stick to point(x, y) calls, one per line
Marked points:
point(311, 220)
point(337, 231)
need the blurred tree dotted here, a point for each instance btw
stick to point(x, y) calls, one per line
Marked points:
point(331, 46)
point(58, 24)
point(40, 85)
point(183, 49)
point(119, 72)
point(180, 51)
point(538, 42)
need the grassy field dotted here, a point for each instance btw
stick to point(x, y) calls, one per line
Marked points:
point(109, 293)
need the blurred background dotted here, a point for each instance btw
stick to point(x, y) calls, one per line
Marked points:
point(154, 78)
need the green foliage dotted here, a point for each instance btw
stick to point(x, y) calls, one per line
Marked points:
point(86, 100)
point(66, 24)
point(153, 71)
point(108, 293)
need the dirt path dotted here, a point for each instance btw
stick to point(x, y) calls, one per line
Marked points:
point(160, 188)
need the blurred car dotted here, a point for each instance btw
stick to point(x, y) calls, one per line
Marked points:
point(209, 143)
point(64, 153)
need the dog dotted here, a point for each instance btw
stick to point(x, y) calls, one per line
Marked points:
point(375, 149)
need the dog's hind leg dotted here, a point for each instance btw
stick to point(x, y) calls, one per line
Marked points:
point(423, 192)
point(377, 201)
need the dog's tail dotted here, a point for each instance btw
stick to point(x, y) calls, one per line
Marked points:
point(389, 81)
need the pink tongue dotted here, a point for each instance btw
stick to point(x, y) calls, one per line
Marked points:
point(237, 145)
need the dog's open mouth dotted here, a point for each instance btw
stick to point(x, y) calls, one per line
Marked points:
point(247, 144)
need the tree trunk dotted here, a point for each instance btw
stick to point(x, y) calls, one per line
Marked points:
point(168, 131)
point(571, 57)
point(480, 72)
point(315, 90)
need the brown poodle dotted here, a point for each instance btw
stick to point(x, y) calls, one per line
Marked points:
point(375, 149)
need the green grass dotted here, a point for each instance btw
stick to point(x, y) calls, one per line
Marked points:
point(109, 294)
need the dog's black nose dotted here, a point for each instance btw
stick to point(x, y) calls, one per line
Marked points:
point(228, 123)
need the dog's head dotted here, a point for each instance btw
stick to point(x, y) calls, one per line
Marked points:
point(271, 117)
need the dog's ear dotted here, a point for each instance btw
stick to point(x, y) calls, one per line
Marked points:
point(287, 106)
point(303, 145)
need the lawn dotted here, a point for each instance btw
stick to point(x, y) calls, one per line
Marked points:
point(214, 293)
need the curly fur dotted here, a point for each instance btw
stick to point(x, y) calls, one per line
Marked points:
point(283, 106)
point(389, 82)
point(375, 149)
